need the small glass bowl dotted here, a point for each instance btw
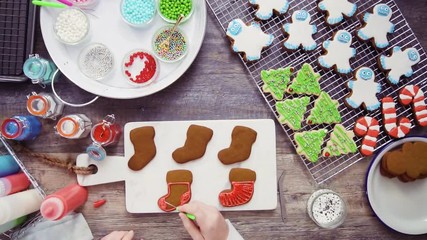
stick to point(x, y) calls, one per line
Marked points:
point(64, 22)
point(138, 24)
point(96, 61)
point(172, 53)
point(142, 58)
point(327, 208)
point(174, 21)
point(85, 4)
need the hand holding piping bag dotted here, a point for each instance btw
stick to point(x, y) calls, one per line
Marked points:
point(210, 223)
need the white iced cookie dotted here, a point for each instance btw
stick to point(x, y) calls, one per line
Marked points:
point(399, 63)
point(336, 10)
point(300, 32)
point(249, 40)
point(363, 90)
point(377, 26)
point(265, 8)
point(338, 53)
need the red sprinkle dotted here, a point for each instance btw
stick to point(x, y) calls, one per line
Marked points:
point(145, 74)
point(327, 154)
point(99, 203)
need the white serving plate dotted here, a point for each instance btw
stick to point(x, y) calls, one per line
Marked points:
point(401, 206)
point(108, 27)
point(210, 176)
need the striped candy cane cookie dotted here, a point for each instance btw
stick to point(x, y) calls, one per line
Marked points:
point(413, 94)
point(368, 128)
point(396, 128)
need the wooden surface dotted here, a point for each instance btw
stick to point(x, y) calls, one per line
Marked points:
point(215, 87)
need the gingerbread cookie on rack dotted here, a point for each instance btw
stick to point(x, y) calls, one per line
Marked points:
point(377, 26)
point(248, 39)
point(338, 53)
point(336, 10)
point(399, 63)
point(300, 32)
point(266, 8)
point(364, 90)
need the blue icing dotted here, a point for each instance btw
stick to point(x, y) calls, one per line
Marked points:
point(286, 27)
point(396, 49)
point(333, 21)
point(373, 106)
point(326, 44)
point(323, 63)
point(413, 55)
point(255, 24)
point(290, 46)
point(353, 11)
point(344, 37)
point(382, 62)
point(234, 28)
point(353, 52)
point(344, 70)
point(352, 103)
point(383, 10)
point(362, 35)
point(310, 48)
point(393, 80)
point(379, 88)
point(314, 29)
point(409, 73)
point(252, 58)
point(263, 17)
point(366, 74)
point(350, 84)
point(366, 17)
point(322, 6)
point(270, 40)
point(285, 8)
point(253, 1)
point(381, 45)
point(235, 49)
point(301, 15)
point(392, 27)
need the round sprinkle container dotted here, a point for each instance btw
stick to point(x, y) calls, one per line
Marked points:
point(71, 26)
point(96, 61)
point(140, 67)
point(85, 4)
point(326, 208)
point(170, 10)
point(169, 46)
point(138, 13)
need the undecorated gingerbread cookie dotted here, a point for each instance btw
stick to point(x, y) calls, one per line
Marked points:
point(338, 53)
point(300, 32)
point(336, 10)
point(266, 8)
point(399, 64)
point(248, 39)
point(364, 90)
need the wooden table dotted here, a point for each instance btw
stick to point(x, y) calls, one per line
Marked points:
point(215, 87)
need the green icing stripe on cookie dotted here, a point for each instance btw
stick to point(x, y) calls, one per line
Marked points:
point(276, 81)
point(292, 111)
point(310, 143)
point(341, 142)
point(306, 82)
point(325, 110)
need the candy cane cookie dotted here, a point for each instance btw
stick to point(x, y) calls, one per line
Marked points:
point(396, 128)
point(368, 128)
point(413, 94)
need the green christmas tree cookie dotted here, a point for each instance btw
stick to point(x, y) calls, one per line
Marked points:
point(325, 110)
point(306, 82)
point(291, 111)
point(276, 81)
point(340, 142)
point(309, 143)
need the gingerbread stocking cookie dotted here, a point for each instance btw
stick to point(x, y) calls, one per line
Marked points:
point(377, 25)
point(363, 90)
point(265, 8)
point(249, 40)
point(242, 139)
point(338, 53)
point(242, 188)
point(336, 10)
point(179, 190)
point(300, 32)
point(195, 145)
point(145, 149)
point(399, 63)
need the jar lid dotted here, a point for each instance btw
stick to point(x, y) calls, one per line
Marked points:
point(37, 105)
point(34, 68)
point(67, 127)
point(101, 133)
point(96, 152)
point(11, 128)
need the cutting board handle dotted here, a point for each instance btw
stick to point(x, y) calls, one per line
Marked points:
point(111, 169)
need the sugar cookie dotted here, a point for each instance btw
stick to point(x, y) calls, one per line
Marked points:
point(363, 90)
point(338, 53)
point(376, 26)
point(248, 39)
point(276, 81)
point(310, 143)
point(341, 142)
point(399, 63)
point(325, 110)
point(265, 8)
point(396, 128)
point(369, 129)
point(306, 82)
point(300, 32)
point(413, 94)
point(291, 111)
point(336, 10)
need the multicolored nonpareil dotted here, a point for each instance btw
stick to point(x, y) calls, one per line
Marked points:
point(300, 32)
point(364, 90)
point(399, 64)
point(338, 53)
point(248, 39)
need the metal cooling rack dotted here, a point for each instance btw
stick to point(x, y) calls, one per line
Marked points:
point(275, 57)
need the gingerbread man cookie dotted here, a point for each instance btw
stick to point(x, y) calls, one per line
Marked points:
point(377, 26)
point(399, 63)
point(300, 32)
point(338, 53)
point(336, 10)
point(363, 90)
point(249, 40)
point(265, 8)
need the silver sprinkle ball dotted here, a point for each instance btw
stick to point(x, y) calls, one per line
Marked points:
point(96, 61)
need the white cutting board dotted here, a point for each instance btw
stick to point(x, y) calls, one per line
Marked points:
point(210, 176)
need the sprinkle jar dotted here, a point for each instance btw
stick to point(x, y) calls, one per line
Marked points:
point(175, 50)
point(170, 10)
point(44, 105)
point(85, 4)
point(71, 26)
point(74, 126)
point(326, 208)
point(39, 70)
point(140, 67)
point(21, 128)
point(138, 13)
point(96, 61)
point(105, 133)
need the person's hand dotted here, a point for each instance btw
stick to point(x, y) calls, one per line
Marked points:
point(119, 235)
point(209, 225)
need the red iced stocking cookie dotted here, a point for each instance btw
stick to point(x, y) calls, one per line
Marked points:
point(179, 190)
point(242, 188)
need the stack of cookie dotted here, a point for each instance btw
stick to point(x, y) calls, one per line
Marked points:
point(408, 162)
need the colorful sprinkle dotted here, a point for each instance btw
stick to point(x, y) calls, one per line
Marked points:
point(172, 9)
point(177, 45)
point(96, 61)
point(140, 67)
point(99, 203)
point(137, 12)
